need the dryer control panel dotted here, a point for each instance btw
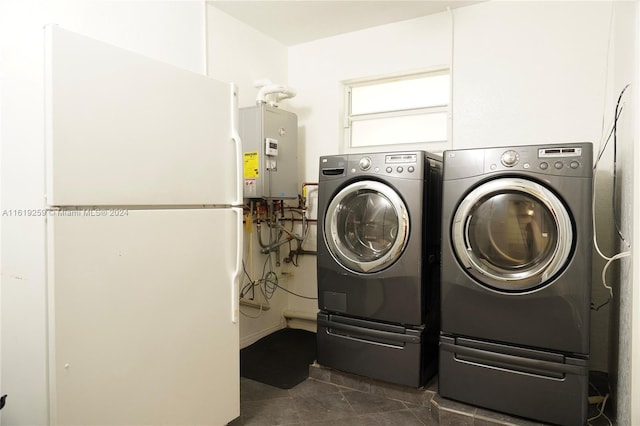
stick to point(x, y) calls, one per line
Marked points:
point(559, 160)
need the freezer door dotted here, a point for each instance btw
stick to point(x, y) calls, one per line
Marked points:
point(143, 316)
point(123, 129)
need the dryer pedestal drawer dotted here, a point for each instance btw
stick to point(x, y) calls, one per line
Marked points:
point(377, 350)
point(540, 385)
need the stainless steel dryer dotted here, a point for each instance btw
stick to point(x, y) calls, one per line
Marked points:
point(516, 279)
point(378, 251)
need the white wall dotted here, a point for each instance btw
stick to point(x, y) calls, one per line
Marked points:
point(317, 69)
point(626, 310)
point(241, 54)
point(169, 31)
point(529, 72)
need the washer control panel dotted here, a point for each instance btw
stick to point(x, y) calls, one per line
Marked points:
point(391, 164)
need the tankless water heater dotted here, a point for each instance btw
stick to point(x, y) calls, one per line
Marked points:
point(270, 139)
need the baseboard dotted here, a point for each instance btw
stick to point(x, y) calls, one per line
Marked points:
point(254, 337)
point(292, 319)
point(301, 319)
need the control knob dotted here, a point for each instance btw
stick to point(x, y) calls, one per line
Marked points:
point(509, 158)
point(365, 163)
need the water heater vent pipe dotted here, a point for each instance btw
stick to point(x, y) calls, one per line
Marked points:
point(271, 93)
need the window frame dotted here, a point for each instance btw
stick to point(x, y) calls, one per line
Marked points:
point(348, 118)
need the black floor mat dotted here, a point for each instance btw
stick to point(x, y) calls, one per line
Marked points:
point(280, 359)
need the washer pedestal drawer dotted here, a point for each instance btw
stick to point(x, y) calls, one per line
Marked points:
point(545, 386)
point(382, 351)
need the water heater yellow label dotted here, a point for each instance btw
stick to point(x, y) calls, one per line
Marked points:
point(251, 165)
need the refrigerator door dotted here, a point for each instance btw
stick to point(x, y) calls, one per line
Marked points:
point(123, 129)
point(143, 316)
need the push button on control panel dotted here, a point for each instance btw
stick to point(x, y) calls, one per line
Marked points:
point(400, 169)
point(544, 165)
point(558, 165)
point(574, 164)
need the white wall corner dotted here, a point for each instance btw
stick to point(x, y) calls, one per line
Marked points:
point(635, 348)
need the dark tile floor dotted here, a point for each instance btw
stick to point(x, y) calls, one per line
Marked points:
point(314, 402)
point(330, 397)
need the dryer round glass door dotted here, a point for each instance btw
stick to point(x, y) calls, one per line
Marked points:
point(512, 234)
point(366, 226)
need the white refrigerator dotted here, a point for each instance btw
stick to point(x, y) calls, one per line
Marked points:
point(144, 241)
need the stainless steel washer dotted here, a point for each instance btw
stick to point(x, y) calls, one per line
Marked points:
point(378, 251)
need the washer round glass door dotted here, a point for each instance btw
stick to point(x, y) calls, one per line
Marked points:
point(366, 226)
point(512, 234)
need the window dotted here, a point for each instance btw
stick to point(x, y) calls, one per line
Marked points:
point(401, 110)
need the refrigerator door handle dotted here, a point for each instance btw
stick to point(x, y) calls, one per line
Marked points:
point(235, 137)
point(237, 274)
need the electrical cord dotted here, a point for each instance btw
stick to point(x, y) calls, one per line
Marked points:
point(606, 74)
point(272, 286)
point(293, 293)
point(605, 398)
point(602, 149)
point(268, 284)
point(609, 259)
point(294, 253)
point(615, 159)
point(601, 412)
point(604, 278)
point(251, 285)
point(252, 316)
point(613, 133)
